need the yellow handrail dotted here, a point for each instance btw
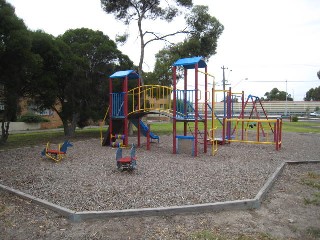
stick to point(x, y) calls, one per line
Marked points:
point(103, 123)
point(151, 96)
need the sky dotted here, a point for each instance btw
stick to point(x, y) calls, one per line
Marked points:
point(265, 43)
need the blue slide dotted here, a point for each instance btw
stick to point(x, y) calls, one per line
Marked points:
point(144, 129)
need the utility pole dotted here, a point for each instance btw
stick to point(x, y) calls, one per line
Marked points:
point(224, 89)
point(286, 108)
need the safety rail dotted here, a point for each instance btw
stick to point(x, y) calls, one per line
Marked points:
point(185, 103)
point(117, 104)
point(149, 97)
point(256, 137)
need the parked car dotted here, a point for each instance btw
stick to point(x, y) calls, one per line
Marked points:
point(314, 114)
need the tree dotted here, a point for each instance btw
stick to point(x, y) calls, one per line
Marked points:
point(313, 94)
point(318, 74)
point(276, 95)
point(202, 41)
point(16, 64)
point(140, 10)
point(73, 81)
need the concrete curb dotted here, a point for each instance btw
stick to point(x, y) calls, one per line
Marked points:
point(162, 211)
point(54, 207)
point(267, 186)
point(166, 211)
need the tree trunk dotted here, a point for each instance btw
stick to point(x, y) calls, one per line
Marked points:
point(141, 51)
point(70, 127)
point(4, 131)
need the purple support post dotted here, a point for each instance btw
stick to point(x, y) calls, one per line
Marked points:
point(205, 111)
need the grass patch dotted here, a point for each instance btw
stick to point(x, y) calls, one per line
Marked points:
point(312, 180)
point(314, 232)
point(208, 235)
point(42, 137)
point(301, 127)
point(165, 128)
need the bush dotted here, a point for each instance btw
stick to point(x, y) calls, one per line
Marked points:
point(32, 118)
point(294, 119)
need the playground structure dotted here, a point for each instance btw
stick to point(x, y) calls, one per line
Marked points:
point(187, 106)
point(56, 154)
point(128, 163)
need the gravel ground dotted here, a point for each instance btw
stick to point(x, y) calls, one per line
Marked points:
point(88, 179)
point(283, 214)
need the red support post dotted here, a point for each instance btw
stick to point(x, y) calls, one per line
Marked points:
point(174, 114)
point(185, 96)
point(125, 104)
point(196, 113)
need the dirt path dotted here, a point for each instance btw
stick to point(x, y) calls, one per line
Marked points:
point(283, 215)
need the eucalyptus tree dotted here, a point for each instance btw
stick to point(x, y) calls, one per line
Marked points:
point(142, 10)
point(16, 64)
point(276, 95)
point(313, 94)
point(204, 32)
point(73, 80)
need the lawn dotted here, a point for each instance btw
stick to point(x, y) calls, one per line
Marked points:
point(163, 128)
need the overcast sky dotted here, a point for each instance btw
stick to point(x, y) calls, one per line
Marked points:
point(263, 40)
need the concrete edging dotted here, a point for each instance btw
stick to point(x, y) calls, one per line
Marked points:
point(54, 207)
point(161, 211)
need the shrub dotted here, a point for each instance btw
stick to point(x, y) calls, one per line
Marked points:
point(294, 119)
point(32, 118)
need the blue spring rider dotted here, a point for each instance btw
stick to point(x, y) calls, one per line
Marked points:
point(128, 163)
point(56, 154)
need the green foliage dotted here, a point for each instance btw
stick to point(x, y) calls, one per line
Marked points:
point(17, 62)
point(204, 31)
point(294, 119)
point(32, 118)
point(276, 95)
point(73, 79)
point(139, 11)
point(128, 10)
point(122, 38)
point(313, 94)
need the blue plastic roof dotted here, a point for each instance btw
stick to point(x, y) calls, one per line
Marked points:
point(190, 63)
point(131, 74)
